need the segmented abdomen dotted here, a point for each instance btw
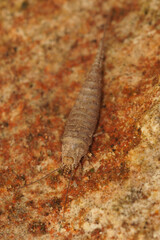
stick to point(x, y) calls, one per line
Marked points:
point(83, 117)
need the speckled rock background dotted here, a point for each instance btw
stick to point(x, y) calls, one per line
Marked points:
point(46, 48)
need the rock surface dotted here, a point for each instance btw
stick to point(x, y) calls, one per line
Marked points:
point(46, 48)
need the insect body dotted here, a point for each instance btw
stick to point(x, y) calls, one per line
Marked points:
point(84, 115)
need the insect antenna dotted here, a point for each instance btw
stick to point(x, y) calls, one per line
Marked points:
point(38, 180)
point(66, 197)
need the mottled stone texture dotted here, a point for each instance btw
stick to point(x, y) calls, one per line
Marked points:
point(46, 48)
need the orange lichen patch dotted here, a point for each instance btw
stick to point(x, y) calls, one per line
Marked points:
point(75, 85)
point(5, 145)
point(16, 213)
point(8, 51)
point(96, 234)
point(17, 197)
point(61, 73)
point(6, 177)
point(20, 70)
point(53, 181)
point(41, 85)
point(123, 131)
point(46, 8)
point(37, 228)
point(49, 206)
point(30, 9)
point(118, 13)
point(149, 67)
point(17, 113)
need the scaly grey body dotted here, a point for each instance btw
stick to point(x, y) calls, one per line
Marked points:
point(83, 118)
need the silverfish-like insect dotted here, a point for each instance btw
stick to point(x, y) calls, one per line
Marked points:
point(84, 115)
point(82, 120)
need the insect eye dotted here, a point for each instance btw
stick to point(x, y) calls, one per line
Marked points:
point(68, 160)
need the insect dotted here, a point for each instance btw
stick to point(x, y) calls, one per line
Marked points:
point(84, 115)
point(82, 120)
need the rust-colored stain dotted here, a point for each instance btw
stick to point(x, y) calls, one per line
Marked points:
point(37, 228)
point(46, 49)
